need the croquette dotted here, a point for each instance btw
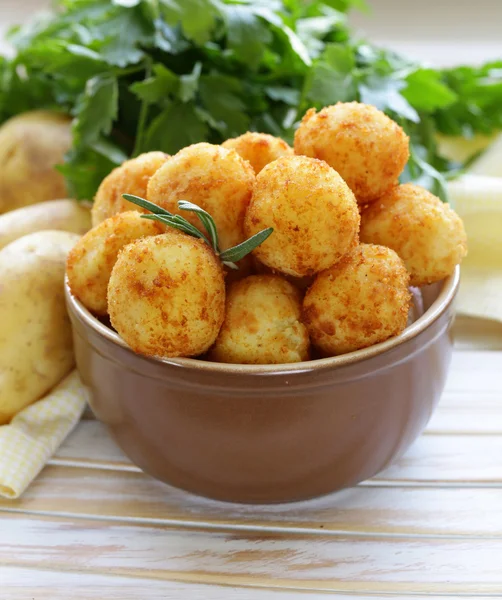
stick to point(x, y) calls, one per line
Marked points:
point(426, 233)
point(366, 147)
point(216, 179)
point(91, 261)
point(262, 323)
point(132, 177)
point(312, 211)
point(166, 296)
point(361, 301)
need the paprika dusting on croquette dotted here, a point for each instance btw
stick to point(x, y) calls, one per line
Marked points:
point(131, 177)
point(216, 179)
point(360, 142)
point(426, 233)
point(312, 210)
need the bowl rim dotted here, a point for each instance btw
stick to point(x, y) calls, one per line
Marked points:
point(444, 299)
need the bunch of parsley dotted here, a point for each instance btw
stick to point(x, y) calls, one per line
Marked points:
point(140, 75)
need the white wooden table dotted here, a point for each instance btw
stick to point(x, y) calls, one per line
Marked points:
point(93, 526)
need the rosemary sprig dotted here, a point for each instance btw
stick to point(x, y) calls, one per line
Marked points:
point(228, 257)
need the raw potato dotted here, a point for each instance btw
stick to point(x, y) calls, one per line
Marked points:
point(60, 215)
point(262, 324)
point(166, 296)
point(361, 301)
point(259, 149)
point(91, 261)
point(312, 211)
point(132, 177)
point(216, 179)
point(31, 145)
point(36, 349)
point(368, 149)
point(426, 233)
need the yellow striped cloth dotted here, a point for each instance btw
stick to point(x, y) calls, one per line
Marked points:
point(32, 437)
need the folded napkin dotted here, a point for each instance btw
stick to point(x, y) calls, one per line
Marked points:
point(32, 437)
point(477, 197)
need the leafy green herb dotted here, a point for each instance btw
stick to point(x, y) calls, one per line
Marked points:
point(140, 75)
point(228, 257)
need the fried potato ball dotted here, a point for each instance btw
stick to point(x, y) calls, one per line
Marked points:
point(313, 212)
point(426, 233)
point(217, 179)
point(262, 323)
point(259, 149)
point(166, 296)
point(361, 301)
point(368, 149)
point(132, 177)
point(91, 261)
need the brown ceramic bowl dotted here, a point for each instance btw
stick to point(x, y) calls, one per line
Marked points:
point(264, 434)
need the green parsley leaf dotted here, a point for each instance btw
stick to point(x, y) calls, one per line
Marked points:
point(177, 126)
point(189, 84)
point(426, 92)
point(97, 110)
point(247, 34)
point(159, 87)
point(220, 96)
point(384, 94)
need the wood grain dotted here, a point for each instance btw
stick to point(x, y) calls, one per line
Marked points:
point(314, 563)
point(52, 585)
point(361, 511)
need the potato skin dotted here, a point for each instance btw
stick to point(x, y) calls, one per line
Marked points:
point(259, 149)
point(131, 177)
point(426, 233)
point(313, 212)
point(91, 261)
point(166, 296)
point(56, 215)
point(31, 145)
point(361, 301)
point(368, 149)
point(36, 348)
point(216, 179)
point(262, 324)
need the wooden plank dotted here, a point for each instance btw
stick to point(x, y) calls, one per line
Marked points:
point(325, 563)
point(462, 413)
point(475, 372)
point(364, 510)
point(23, 584)
point(453, 459)
point(18, 584)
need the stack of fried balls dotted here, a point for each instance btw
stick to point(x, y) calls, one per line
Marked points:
point(348, 242)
